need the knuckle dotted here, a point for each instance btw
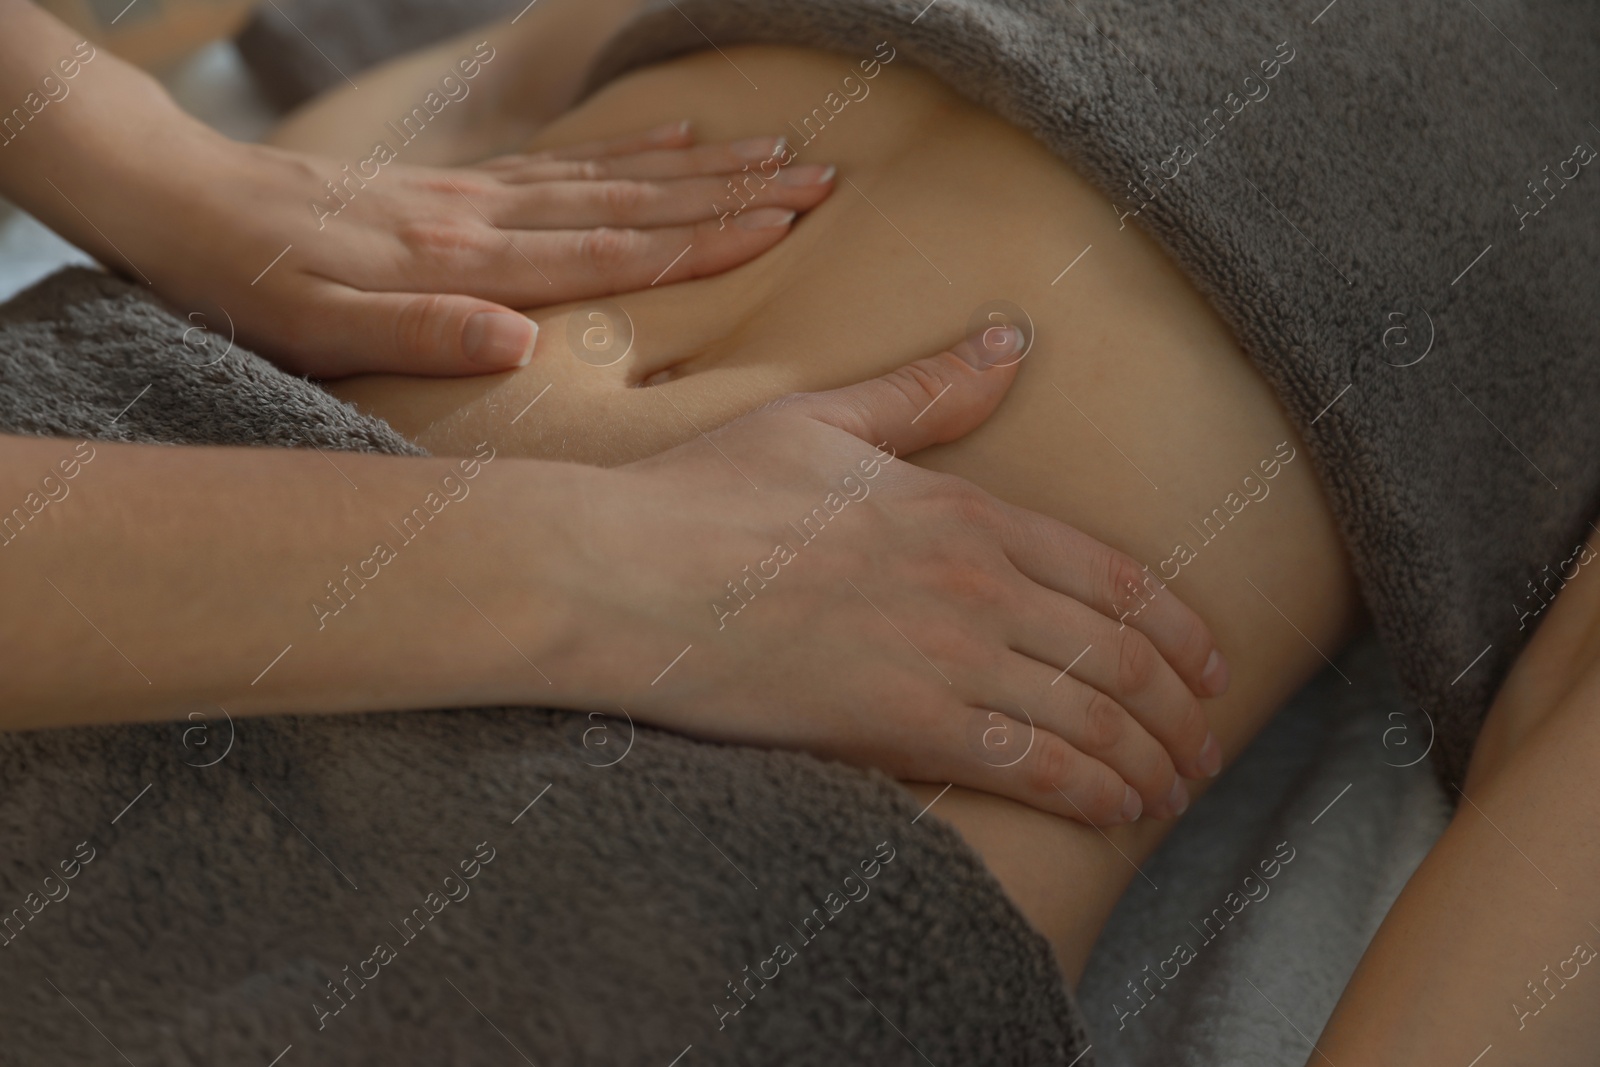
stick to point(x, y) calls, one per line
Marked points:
point(1123, 576)
point(968, 505)
point(1105, 723)
point(433, 237)
point(420, 326)
point(918, 382)
point(430, 182)
point(622, 201)
point(302, 167)
point(954, 645)
point(1105, 798)
point(606, 249)
point(1137, 663)
point(972, 584)
point(974, 509)
point(461, 185)
point(1048, 768)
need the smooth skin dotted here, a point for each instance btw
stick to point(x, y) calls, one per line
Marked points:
point(1491, 949)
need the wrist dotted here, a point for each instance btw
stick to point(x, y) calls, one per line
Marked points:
point(451, 588)
point(516, 583)
point(111, 137)
point(597, 592)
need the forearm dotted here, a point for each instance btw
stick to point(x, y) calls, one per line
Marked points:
point(156, 581)
point(1492, 942)
point(81, 126)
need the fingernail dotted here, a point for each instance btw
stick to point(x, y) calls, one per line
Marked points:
point(1178, 799)
point(808, 174)
point(990, 348)
point(1215, 676)
point(499, 339)
point(1132, 806)
point(764, 218)
point(1211, 757)
point(757, 149)
point(670, 132)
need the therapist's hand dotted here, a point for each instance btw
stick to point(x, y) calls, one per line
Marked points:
point(414, 270)
point(333, 267)
point(786, 583)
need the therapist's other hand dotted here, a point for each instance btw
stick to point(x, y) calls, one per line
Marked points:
point(332, 269)
point(788, 584)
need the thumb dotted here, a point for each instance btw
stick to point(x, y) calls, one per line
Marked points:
point(929, 402)
point(413, 333)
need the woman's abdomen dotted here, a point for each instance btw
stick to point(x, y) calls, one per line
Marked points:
point(1135, 417)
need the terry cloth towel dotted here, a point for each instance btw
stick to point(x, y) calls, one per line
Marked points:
point(1391, 204)
point(453, 887)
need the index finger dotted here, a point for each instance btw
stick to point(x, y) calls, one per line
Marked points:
point(763, 157)
point(1071, 562)
point(671, 135)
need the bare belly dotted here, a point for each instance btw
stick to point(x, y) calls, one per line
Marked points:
point(1136, 417)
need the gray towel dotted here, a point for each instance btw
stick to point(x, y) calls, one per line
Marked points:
point(454, 887)
point(1350, 185)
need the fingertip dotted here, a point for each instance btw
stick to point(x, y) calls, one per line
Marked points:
point(1215, 676)
point(991, 348)
point(498, 340)
point(1132, 804)
point(765, 219)
point(1177, 799)
point(1211, 756)
point(680, 132)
